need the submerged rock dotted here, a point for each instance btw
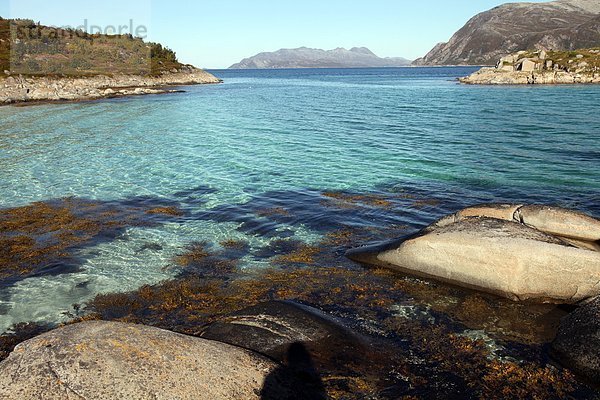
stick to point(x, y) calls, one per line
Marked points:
point(577, 344)
point(302, 338)
point(106, 360)
point(485, 249)
point(271, 328)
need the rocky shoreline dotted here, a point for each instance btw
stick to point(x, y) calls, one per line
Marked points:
point(493, 76)
point(286, 333)
point(540, 68)
point(23, 89)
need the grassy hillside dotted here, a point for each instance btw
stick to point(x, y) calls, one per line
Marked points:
point(31, 49)
point(586, 60)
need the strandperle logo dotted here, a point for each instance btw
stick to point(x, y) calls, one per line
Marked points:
point(36, 31)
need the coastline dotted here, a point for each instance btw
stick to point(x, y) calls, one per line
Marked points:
point(493, 76)
point(20, 90)
point(355, 68)
point(541, 68)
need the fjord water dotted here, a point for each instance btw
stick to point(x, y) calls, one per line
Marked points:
point(268, 139)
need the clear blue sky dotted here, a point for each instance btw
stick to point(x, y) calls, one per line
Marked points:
point(217, 34)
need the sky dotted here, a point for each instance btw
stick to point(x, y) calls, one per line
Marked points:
point(220, 33)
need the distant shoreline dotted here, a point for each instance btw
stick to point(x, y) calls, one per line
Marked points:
point(358, 68)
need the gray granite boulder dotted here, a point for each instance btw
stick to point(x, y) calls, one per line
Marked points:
point(106, 360)
point(577, 344)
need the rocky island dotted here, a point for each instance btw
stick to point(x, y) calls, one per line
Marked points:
point(41, 63)
point(304, 57)
point(541, 67)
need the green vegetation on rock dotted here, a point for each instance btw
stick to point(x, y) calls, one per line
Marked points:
point(32, 49)
point(586, 59)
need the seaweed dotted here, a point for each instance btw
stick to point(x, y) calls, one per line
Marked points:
point(36, 237)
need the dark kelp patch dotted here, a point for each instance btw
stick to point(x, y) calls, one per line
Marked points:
point(35, 237)
point(344, 199)
point(234, 244)
point(171, 210)
point(304, 254)
point(320, 211)
point(195, 253)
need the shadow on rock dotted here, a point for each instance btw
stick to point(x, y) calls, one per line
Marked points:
point(297, 377)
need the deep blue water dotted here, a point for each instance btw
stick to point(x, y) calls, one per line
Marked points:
point(279, 139)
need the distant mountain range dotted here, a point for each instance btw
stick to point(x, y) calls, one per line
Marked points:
point(303, 57)
point(557, 25)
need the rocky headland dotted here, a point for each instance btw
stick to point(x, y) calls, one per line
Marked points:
point(541, 67)
point(555, 25)
point(24, 89)
point(41, 63)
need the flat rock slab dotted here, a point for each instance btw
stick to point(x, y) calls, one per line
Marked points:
point(107, 360)
point(577, 344)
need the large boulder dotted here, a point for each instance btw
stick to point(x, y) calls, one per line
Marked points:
point(495, 255)
point(527, 65)
point(105, 360)
point(577, 344)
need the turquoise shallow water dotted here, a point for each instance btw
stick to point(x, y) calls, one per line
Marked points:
point(267, 139)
